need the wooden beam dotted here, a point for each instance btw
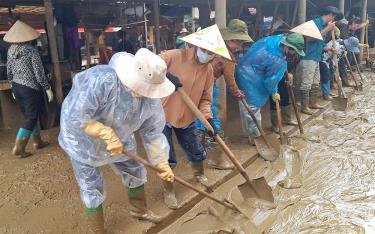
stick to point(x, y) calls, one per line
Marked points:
point(363, 30)
point(53, 51)
point(157, 24)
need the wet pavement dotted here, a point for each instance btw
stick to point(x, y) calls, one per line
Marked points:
point(331, 174)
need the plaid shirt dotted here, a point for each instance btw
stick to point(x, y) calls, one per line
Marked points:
point(25, 67)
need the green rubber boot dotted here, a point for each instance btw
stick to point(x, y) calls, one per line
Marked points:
point(137, 199)
point(38, 142)
point(22, 139)
point(95, 219)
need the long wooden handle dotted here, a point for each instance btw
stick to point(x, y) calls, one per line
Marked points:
point(337, 75)
point(179, 180)
point(357, 66)
point(350, 69)
point(280, 122)
point(217, 138)
point(294, 104)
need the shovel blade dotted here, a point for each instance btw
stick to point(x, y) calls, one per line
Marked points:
point(340, 103)
point(268, 147)
point(257, 188)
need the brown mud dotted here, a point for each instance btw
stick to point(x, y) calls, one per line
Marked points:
point(323, 183)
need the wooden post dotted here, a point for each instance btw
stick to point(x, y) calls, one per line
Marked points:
point(295, 11)
point(87, 45)
point(157, 25)
point(221, 21)
point(363, 30)
point(301, 11)
point(53, 51)
point(342, 6)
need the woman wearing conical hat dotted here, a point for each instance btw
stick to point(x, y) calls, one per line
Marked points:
point(26, 73)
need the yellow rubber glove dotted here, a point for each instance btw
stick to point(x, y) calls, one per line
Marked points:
point(107, 134)
point(275, 97)
point(167, 175)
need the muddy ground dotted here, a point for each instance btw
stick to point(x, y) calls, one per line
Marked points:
point(39, 194)
point(334, 168)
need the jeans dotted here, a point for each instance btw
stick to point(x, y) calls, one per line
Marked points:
point(30, 102)
point(325, 74)
point(189, 142)
point(284, 95)
point(214, 110)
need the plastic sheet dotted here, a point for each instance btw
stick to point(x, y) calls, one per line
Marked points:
point(97, 94)
point(261, 69)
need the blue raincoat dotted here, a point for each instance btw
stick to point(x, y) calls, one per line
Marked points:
point(260, 70)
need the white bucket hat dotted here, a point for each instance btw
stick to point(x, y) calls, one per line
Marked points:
point(20, 33)
point(144, 73)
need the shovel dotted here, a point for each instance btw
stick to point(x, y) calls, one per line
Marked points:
point(339, 103)
point(358, 86)
point(263, 143)
point(283, 139)
point(357, 67)
point(181, 181)
point(257, 188)
point(294, 103)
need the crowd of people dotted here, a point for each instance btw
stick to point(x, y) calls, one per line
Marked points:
point(108, 104)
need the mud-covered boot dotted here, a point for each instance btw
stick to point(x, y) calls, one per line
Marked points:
point(137, 200)
point(345, 81)
point(305, 101)
point(22, 139)
point(314, 93)
point(274, 122)
point(169, 195)
point(286, 112)
point(327, 97)
point(38, 142)
point(95, 219)
point(216, 159)
point(198, 170)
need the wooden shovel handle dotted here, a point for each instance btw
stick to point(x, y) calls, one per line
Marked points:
point(337, 75)
point(179, 180)
point(279, 118)
point(350, 69)
point(217, 138)
point(294, 103)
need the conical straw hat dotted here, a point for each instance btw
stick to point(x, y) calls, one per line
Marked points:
point(308, 29)
point(209, 39)
point(20, 32)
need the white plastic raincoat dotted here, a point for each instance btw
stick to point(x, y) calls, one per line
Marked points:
point(97, 94)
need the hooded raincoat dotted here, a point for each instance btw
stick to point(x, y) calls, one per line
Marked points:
point(97, 94)
point(261, 69)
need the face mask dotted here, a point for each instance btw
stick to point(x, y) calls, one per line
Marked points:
point(204, 57)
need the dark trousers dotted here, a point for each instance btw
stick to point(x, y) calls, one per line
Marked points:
point(189, 142)
point(284, 95)
point(342, 68)
point(30, 101)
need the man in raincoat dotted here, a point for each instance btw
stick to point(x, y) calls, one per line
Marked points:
point(105, 107)
point(307, 73)
point(259, 73)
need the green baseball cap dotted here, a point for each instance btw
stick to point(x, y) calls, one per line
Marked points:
point(294, 41)
point(236, 30)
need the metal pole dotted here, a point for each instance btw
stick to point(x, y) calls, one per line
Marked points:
point(342, 6)
point(301, 11)
point(54, 51)
point(221, 21)
point(363, 30)
point(157, 25)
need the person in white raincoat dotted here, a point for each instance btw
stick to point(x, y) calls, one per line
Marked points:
point(105, 107)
